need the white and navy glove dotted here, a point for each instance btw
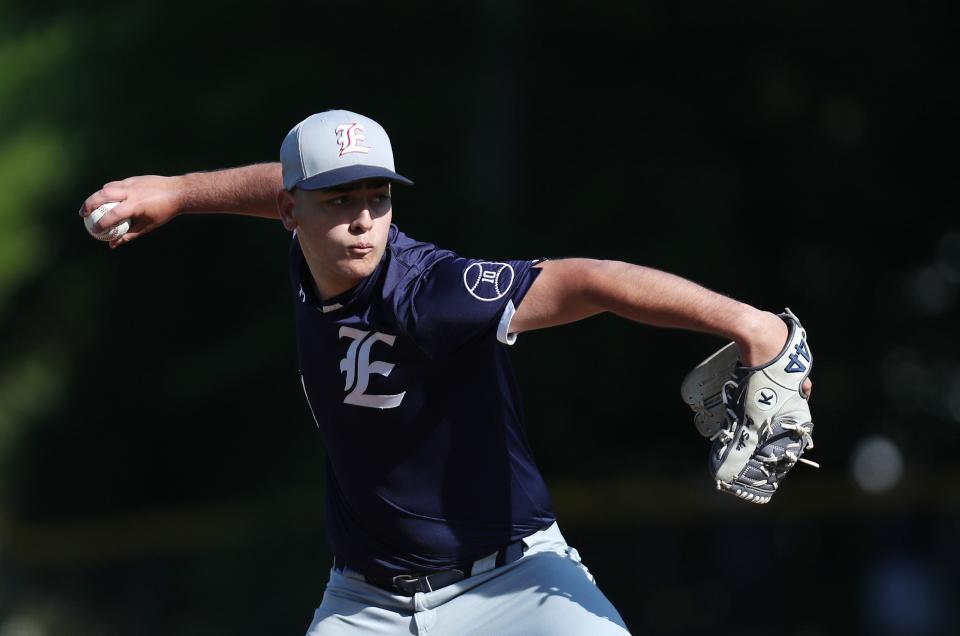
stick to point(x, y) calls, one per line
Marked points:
point(756, 417)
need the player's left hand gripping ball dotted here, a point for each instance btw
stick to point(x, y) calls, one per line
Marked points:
point(110, 234)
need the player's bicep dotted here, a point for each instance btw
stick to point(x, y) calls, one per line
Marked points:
point(559, 295)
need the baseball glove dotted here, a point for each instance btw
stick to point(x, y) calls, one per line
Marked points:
point(756, 417)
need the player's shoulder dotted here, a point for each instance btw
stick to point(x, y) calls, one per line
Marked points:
point(414, 257)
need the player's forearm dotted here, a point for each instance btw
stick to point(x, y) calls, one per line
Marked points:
point(658, 298)
point(662, 299)
point(572, 289)
point(250, 190)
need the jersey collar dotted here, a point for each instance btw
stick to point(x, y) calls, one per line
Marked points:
point(354, 296)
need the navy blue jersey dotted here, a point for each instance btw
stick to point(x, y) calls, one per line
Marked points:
point(410, 384)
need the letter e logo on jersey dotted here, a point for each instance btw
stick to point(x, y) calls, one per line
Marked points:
point(488, 281)
point(358, 367)
point(349, 137)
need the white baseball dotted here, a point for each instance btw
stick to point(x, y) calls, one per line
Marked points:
point(110, 234)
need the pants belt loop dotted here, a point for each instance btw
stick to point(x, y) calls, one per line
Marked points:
point(510, 553)
point(503, 556)
point(485, 564)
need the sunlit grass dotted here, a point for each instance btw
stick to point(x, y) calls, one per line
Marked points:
point(28, 172)
point(34, 168)
point(29, 56)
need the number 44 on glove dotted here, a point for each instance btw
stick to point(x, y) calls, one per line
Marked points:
point(756, 417)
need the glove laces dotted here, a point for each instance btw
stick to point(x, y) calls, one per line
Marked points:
point(725, 435)
point(783, 463)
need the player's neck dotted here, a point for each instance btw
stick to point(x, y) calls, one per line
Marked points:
point(328, 286)
point(329, 289)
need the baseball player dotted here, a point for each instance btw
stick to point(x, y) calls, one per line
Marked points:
point(437, 514)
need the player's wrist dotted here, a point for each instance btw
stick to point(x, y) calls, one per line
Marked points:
point(185, 193)
point(761, 338)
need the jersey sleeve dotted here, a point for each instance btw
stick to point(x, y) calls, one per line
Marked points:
point(454, 301)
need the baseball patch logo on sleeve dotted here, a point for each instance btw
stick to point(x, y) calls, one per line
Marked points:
point(488, 281)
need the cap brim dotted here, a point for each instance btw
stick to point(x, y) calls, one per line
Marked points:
point(348, 174)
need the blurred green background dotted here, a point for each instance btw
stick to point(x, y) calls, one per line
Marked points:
point(159, 469)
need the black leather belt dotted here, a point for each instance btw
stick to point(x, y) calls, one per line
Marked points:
point(410, 584)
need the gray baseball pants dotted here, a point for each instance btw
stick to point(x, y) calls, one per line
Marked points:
point(546, 592)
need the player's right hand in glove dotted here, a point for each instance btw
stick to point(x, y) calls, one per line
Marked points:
point(757, 417)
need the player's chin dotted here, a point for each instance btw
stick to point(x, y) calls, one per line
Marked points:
point(359, 266)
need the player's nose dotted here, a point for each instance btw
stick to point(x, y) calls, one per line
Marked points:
point(363, 221)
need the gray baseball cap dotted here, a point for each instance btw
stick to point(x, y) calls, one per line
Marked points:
point(336, 147)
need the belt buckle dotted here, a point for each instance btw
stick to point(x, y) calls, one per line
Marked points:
point(409, 584)
point(406, 583)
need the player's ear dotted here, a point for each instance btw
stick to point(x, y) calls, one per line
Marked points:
point(286, 202)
